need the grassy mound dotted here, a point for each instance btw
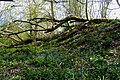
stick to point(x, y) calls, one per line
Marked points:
point(88, 53)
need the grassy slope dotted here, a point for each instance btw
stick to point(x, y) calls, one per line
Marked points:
point(92, 53)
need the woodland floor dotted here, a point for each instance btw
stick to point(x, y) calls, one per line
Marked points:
point(89, 52)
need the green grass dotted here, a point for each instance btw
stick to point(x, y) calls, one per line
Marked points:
point(92, 56)
point(57, 63)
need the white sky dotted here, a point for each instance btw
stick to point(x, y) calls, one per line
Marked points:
point(113, 14)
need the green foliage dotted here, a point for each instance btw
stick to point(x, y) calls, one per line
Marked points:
point(5, 41)
point(90, 55)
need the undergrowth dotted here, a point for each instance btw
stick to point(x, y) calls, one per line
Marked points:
point(90, 55)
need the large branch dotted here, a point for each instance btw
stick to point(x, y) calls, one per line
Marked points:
point(59, 22)
point(15, 33)
point(43, 20)
point(69, 18)
point(29, 23)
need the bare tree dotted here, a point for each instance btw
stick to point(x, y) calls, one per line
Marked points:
point(86, 9)
point(104, 7)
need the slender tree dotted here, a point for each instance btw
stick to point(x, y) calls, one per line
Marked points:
point(104, 7)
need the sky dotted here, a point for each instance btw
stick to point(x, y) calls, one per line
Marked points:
point(114, 12)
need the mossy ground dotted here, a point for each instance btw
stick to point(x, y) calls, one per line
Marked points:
point(90, 54)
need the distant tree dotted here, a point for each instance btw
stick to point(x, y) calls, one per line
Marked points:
point(104, 7)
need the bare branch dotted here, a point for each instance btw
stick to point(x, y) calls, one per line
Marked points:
point(29, 23)
point(118, 2)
